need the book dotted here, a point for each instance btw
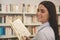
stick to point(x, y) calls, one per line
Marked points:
point(20, 17)
point(30, 28)
point(14, 7)
point(2, 30)
point(6, 8)
point(8, 31)
point(35, 8)
point(20, 29)
point(14, 17)
point(29, 19)
point(8, 18)
point(34, 30)
point(31, 9)
point(59, 8)
point(0, 7)
point(20, 7)
point(24, 9)
point(58, 20)
point(3, 7)
point(11, 7)
point(2, 19)
point(59, 30)
point(34, 19)
point(28, 8)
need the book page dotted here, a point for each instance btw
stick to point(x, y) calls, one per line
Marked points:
point(19, 28)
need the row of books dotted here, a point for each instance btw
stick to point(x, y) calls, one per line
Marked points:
point(33, 29)
point(7, 18)
point(18, 8)
point(8, 30)
point(31, 19)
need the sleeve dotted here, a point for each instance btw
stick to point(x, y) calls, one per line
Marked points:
point(40, 36)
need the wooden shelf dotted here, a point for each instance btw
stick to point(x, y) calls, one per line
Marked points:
point(12, 36)
point(30, 13)
point(31, 24)
point(11, 13)
point(26, 13)
point(5, 36)
point(58, 14)
point(4, 24)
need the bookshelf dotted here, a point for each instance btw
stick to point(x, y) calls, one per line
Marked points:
point(12, 12)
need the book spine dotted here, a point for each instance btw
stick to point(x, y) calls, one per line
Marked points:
point(34, 19)
point(2, 30)
point(8, 18)
point(8, 31)
point(58, 20)
point(11, 7)
point(0, 7)
point(20, 7)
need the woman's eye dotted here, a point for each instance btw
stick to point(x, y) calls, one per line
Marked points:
point(42, 11)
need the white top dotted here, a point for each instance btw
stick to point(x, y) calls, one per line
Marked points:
point(45, 32)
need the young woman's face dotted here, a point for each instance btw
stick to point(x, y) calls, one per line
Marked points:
point(42, 13)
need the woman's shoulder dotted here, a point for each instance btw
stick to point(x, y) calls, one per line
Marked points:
point(48, 31)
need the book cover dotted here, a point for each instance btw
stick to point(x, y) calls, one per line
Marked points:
point(19, 28)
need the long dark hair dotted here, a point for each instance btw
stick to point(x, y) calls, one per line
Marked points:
point(52, 16)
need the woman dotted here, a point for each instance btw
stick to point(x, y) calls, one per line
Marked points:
point(46, 14)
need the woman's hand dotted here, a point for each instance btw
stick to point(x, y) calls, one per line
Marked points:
point(25, 38)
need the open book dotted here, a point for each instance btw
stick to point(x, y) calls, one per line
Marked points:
point(19, 28)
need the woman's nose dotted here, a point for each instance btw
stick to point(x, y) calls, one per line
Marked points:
point(38, 13)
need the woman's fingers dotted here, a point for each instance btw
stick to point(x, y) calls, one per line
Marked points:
point(24, 37)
